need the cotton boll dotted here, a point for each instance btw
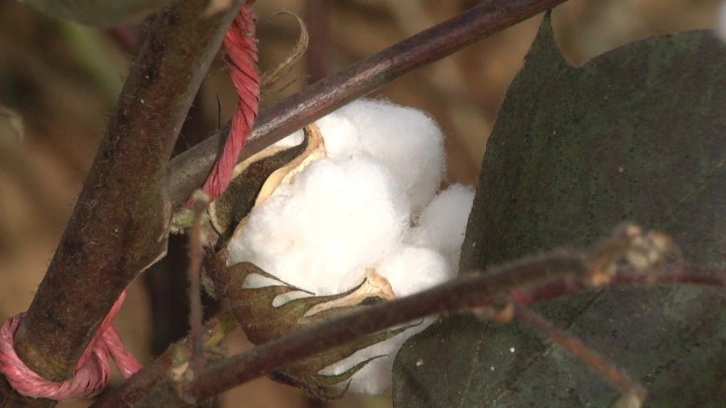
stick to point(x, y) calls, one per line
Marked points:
point(442, 223)
point(351, 211)
point(405, 140)
point(321, 232)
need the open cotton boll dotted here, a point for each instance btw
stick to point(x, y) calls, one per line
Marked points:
point(409, 270)
point(350, 212)
point(405, 140)
point(321, 231)
point(442, 223)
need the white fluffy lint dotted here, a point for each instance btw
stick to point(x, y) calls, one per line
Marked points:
point(406, 141)
point(352, 211)
point(442, 223)
point(316, 233)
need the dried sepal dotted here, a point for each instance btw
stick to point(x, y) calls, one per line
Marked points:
point(314, 149)
point(256, 177)
point(262, 322)
point(306, 374)
point(373, 287)
point(274, 76)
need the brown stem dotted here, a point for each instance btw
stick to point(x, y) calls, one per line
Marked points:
point(477, 291)
point(138, 386)
point(594, 360)
point(188, 171)
point(317, 13)
point(529, 281)
point(199, 205)
point(119, 224)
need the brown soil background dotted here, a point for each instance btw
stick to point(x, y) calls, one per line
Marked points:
point(62, 80)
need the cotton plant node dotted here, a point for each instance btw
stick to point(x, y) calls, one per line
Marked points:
point(629, 244)
point(92, 372)
point(332, 219)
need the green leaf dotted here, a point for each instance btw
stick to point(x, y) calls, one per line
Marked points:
point(637, 134)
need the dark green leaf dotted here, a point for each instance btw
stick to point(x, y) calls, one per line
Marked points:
point(637, 134)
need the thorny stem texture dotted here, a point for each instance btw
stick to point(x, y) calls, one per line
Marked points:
point(119, 224)
point(552, 275)
point(188, 170)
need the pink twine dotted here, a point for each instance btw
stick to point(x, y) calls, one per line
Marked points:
point(93, 369)
point(241, 47)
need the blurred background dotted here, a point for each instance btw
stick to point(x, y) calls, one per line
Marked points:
point(59, 81)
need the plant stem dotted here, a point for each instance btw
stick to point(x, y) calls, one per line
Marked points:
point(552, 275)
point(119, 224)
point(199, 206)
point(528, 281)
point(317, 13)
point(137, 387)
point(188, 170)
point(583, 353)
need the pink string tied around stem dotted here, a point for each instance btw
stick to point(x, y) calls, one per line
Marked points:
point(241, 47)
point(92, 372)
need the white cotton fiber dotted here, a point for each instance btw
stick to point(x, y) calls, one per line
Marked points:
point(405, 140)
point(321, 232)
point(291, 140)
point(342, 139)
point(413, 269)
point(442, 223)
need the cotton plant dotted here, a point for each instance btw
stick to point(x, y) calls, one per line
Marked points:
point(366, 210)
